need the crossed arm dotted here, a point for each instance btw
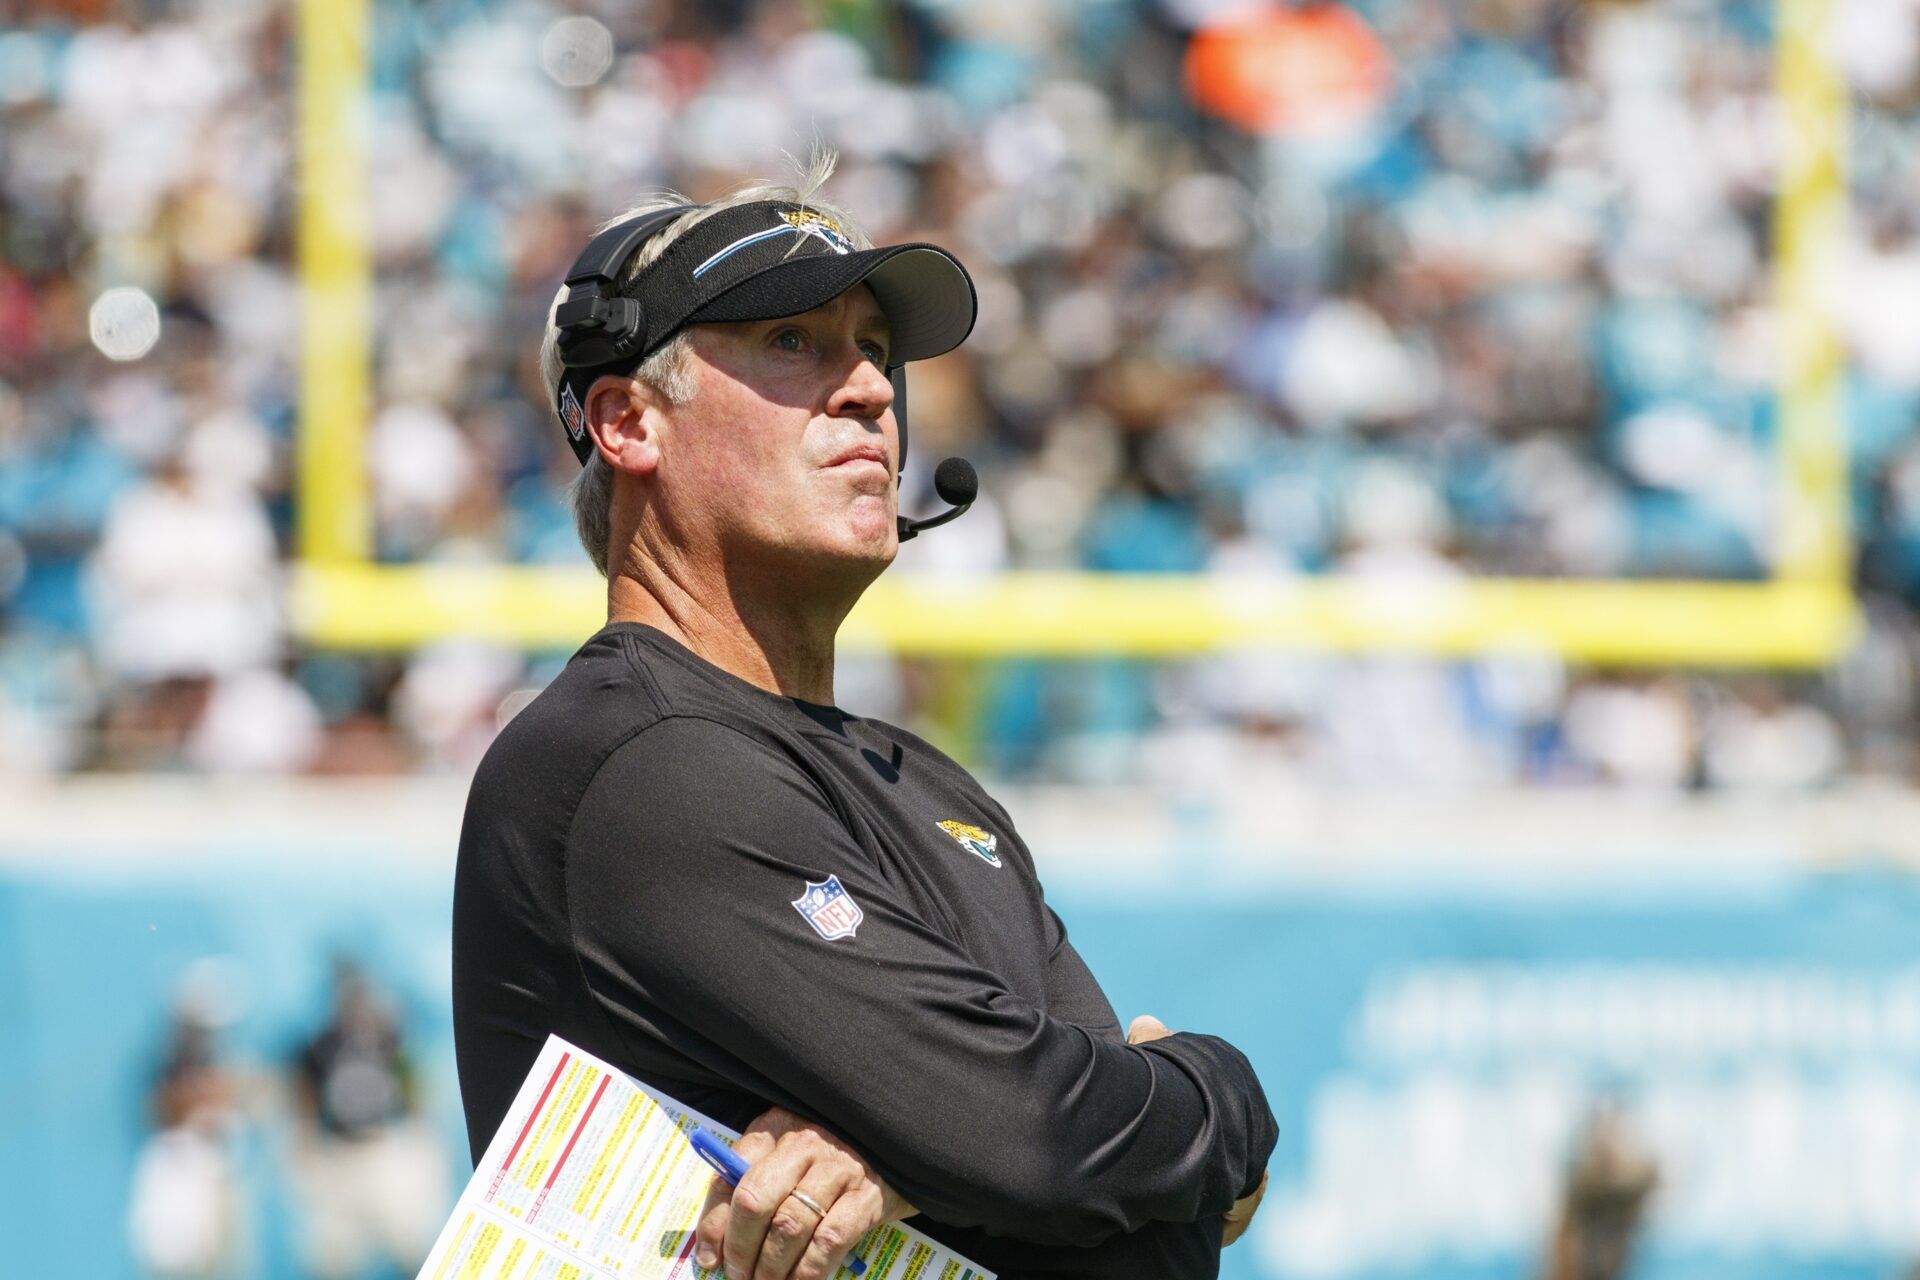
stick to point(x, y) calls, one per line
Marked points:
point(760, 1231)
point(959, 1096)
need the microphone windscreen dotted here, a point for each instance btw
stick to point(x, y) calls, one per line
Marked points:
point(955, 481)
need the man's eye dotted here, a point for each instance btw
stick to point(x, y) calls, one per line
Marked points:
point(875, 352)
point(798, 340)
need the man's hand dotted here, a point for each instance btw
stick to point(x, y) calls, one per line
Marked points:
point(1240, 1217)
point(1147, 1027)
point(763, 1232)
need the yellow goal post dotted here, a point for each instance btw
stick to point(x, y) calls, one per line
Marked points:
point(1802, 616)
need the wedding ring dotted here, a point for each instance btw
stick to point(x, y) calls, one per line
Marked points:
point(808, 1201)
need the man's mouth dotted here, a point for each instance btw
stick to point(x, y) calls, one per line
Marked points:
point(859, 454)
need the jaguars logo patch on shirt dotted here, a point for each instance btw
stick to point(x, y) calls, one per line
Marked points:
point(981, 844)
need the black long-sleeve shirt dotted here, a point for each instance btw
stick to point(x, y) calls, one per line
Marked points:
point(648, 868)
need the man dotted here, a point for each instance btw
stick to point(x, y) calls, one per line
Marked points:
point(186, 1209)
point(683, 857)
point(371, 1173)
point(1609, 1185)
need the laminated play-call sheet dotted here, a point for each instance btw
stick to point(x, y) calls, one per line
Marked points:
point(591, 1175)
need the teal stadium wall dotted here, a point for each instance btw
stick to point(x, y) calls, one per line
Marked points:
point(1427, 1038)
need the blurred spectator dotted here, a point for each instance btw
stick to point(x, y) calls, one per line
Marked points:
point(186, 1214)
point(1609, 1183)
point(186, 581)
point(1759, 740)
point(372, 1175)
point(1634, 733)
point(255, 721)
point(449, 698)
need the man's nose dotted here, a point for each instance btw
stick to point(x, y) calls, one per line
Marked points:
point(866, 392)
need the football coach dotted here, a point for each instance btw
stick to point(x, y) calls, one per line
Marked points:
point(815, 927)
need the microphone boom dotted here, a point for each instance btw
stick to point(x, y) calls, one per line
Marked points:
point(958, 484)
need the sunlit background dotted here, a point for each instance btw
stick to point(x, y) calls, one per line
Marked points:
point(1441, 605)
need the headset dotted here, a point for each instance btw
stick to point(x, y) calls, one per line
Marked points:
point(600, 326)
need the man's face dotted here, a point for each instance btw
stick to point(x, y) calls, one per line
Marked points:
point(789, 444)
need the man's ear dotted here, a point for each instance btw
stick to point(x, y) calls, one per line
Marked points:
point(624, 417)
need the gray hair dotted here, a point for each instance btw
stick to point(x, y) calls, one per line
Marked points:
point(666, 370)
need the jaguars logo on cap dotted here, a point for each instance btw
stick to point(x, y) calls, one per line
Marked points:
point(981, 844)
point(820, 227)
point(803, 222)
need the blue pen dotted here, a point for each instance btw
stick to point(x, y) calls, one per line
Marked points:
point(726, 1162)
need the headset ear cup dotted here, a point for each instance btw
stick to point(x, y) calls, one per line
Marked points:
point(620, 333)
point(627, 334)
point(621, 336)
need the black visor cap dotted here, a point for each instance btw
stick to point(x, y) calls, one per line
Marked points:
point(770, 259)
point(925, 293)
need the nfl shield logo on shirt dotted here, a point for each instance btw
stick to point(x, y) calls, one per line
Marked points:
point(830, 909)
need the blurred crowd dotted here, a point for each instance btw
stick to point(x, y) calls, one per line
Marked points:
point(367, 1177)
point(1489, 293)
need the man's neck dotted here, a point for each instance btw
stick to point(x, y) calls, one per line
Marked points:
point(771, 642)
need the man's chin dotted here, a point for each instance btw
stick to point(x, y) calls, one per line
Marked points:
point(874, 549)
point(855, 550)
point(868, 531)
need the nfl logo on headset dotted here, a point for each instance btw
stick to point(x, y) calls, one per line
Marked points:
point(570, 413)
point(830, 909)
